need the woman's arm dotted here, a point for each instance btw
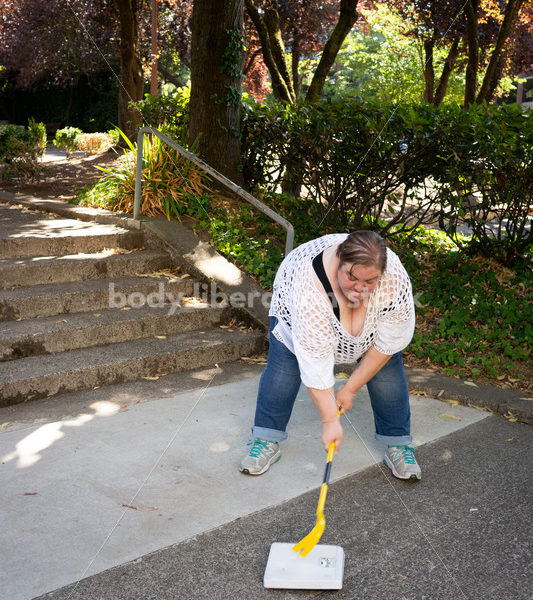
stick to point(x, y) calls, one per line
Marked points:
point(372, 362)
point(325, 402)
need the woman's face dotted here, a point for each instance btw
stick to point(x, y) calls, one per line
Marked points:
point(357, 282)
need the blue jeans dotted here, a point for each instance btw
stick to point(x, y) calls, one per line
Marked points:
point(280, 382)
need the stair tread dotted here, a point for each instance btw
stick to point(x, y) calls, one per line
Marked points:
point(73, 361)
point(52, 324)
point(72, 259)
point(89, 285)
point(17, 224)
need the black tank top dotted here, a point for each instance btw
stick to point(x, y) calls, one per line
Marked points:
point(318, 266)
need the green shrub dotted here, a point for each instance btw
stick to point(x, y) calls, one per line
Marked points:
point(393, 167)
point(21, 147)
point(169, 114)
point(66, 139)
point(484, 175)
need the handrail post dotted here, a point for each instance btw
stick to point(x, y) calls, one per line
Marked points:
point(138, 175)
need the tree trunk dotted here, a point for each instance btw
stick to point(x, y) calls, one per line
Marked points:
point(277, 46)
point(216, 75)
point(347, 18)
point(446, 72)
point(473, 52)
point(496, 79)
point(279, 86)
point(429, 72)
point(494, 70)
point(295, 60)
point(131, 83)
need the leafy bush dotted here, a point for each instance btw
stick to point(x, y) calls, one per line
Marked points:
point(363, 164)
point(94, 143)
point(21, 148)
point(169, 114)
point(484, 176)
point(67, 139)
point(392, 168)
point(171, 185)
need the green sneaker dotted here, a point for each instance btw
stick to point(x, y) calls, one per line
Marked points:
point(261, 456)
point(401, 461)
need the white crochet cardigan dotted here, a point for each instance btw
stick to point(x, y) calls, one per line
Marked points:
point(309, 328)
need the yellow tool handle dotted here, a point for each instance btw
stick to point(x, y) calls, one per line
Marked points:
point(324, 488)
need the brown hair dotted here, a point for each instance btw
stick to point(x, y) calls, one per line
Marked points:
point(366, 248)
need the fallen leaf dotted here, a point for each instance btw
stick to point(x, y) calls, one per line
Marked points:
point(453, 403)
point(161, 337)
point(526, 398)
point(470, 383)
point(5, 425)
point(260, 361)
point(126, 308)
point(123, 410)
point(342, 376)
point(152, 508)
point(151, 378)
point(128, 506)
point(445, 416)
point(440, 393)
point(30, 494)
point(97, 315)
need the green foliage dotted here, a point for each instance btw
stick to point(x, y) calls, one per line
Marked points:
point(379, 62)
point(37, 133)
point(171, 184)
point(393, 167)
point(66, 139)
point(233, 54)
point(471, 311)
point(169, 114)
point(21, 147)
point(484, 177)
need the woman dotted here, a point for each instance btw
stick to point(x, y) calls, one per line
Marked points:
point(338, 299)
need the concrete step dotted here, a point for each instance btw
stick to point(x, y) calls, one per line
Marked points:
point(44, 376)
point(16, 272)
point(95, 295)
point(63, 243)
point(21, 339)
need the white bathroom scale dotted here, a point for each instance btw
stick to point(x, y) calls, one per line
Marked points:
point(321, 569)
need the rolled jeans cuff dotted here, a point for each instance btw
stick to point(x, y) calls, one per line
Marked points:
point(394, 440)
point(270, 435)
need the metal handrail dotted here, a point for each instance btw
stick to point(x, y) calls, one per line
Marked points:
point(289, 241)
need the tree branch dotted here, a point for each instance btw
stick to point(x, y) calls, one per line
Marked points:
point(347, 18)
point(473, 51)
point(446, 72)
point(493, 72)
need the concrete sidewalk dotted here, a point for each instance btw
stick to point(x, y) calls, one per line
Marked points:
point(463, 532)
point(95, 480)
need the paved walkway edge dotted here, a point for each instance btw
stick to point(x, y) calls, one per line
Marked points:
point(209, 266)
